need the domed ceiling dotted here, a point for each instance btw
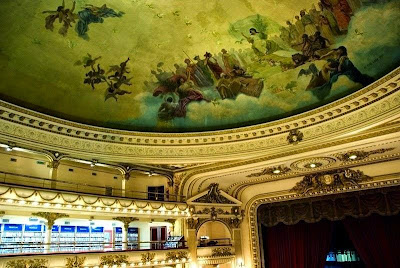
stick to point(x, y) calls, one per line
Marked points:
point(183, 66)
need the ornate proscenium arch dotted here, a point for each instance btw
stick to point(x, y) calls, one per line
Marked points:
point(336, 204)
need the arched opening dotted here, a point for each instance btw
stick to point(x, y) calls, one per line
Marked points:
point(213, 233)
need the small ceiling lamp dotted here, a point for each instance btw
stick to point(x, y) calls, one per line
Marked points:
point(276, 171)
point(353, 157)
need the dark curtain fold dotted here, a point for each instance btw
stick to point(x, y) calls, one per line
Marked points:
point(376, 239)
point(298, 246)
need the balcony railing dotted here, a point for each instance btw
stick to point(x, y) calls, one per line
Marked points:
point(214, 242)
point(23, 248)
point(27, 180)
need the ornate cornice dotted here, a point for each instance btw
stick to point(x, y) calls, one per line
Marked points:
point(342, 116)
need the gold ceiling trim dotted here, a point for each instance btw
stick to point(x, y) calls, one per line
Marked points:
point(28, 125)
point(235, 188)
point(257, 201)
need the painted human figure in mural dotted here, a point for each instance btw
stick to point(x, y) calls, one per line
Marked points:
point(203, 72)
point(309, 26)
point(319, 42)
point(257, 45)
point(213, 65)
point(341, 10)
point(93, 14)
point(300, 28)
point(64, 15)
point(325, 28)
point(229, 61)
point(293, 32)
point(338, 64)
point(327, 13)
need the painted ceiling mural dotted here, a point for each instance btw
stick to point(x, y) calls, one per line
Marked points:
point(183, 66)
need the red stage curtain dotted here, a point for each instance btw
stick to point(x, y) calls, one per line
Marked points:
point(376, 239)
point(302, 245)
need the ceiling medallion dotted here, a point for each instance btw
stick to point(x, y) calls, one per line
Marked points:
point(295, 136)
point(360, 155)
point(271, 171)
point(330, 180)
point(312, 163)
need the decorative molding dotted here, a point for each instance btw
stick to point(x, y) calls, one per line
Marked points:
point(31, 263)
point(53, 200)
point(384, 201)
point(271, 171)
point(330, 180)
point(360, 155)
point(75, 262)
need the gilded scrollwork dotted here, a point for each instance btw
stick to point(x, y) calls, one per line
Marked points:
point(221, 252)
point(271, 171)
point(111, 260)
point(27, 263)
point(176, 255)
point(330, 180)
point(75, 262)
point(147, 257)
point(213, 196)
point(360, 155)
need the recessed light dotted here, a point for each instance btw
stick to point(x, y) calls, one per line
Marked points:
point(353, 157)
point(276, 171)
point(312, 165)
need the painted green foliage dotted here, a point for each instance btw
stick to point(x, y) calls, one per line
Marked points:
point(169, 66)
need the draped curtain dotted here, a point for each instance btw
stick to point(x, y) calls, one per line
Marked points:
point(376, 239)
point(291, 242)
point(298, 246)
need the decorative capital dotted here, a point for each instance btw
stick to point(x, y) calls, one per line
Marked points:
point(50, 217)
point(192, 223)
point(54, 164)
point(295, 136)
point(330, 180)
point(126, 221)
point(127, 176)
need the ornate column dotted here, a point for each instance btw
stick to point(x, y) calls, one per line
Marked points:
point(126, 221)
point(51, 218)
point(191, 238)
point(235, 225)
point(125, 178)
point(53, 165)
